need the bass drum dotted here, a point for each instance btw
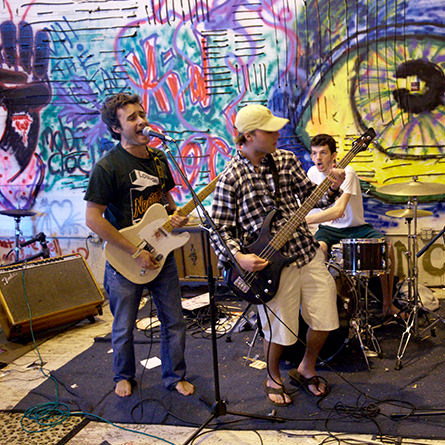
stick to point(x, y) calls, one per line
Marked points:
point(347, 304)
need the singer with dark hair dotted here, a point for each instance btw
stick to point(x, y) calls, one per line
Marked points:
point(122, 186)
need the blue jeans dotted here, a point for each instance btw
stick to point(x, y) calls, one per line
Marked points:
point(125, 297)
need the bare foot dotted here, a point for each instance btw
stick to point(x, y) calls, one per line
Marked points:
point(185, 388)
point(123, 388)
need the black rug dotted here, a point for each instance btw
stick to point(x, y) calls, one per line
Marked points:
point(361, 400)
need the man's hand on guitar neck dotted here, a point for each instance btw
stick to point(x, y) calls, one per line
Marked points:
point(336, 176)
point(250, 261)
point(177, 220)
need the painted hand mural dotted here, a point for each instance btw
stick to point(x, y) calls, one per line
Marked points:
point(24, 91)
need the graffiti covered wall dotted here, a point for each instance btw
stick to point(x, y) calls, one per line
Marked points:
point(333, 66)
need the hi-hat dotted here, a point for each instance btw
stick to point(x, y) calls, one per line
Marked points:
point(413, 188)
point(17, 213)
point(408, 213)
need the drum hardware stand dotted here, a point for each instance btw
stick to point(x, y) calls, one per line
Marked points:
point(412, 323)
point(424, 412)
point(219, 407)
point(367, 329)
point(356, 322)
point(412, 190)
point(44, 253)
point(257, 332)
point(241, 318)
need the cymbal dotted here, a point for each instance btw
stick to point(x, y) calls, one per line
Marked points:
point(413, 188)
point(17, 213)
point(408, 213)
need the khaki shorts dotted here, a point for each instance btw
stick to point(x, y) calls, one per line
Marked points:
point(313, 288)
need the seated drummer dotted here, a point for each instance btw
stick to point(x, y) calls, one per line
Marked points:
point(347, 213)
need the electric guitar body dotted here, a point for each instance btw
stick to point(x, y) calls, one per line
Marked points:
point(159, 242)
point(265, 285)
point(153, 233)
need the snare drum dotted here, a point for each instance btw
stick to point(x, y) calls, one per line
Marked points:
point(364, 255)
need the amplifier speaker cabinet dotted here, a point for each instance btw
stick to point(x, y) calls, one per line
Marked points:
point(47, 293)
point(192, 258)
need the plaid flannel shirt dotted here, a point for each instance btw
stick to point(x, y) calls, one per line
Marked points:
point(244, 197)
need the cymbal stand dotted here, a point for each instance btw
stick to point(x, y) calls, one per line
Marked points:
point(412, 325)
point(17, 233)
point(44, 252)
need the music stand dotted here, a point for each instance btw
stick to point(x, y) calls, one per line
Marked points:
point(219, 406)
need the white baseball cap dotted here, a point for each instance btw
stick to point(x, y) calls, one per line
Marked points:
point(258, 117)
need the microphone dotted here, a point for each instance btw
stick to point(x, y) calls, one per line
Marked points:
point(148, 131)
point(40, 237)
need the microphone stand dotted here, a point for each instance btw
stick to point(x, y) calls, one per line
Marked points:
point(437, 317)
point(427, 246)
point(219, 407)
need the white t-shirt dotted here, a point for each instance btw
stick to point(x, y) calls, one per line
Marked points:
point(354, 210)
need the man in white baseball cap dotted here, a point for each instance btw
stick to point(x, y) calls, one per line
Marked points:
point(258, 117)
point(259, 179)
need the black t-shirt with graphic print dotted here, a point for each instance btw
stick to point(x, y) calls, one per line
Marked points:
point(128, 185)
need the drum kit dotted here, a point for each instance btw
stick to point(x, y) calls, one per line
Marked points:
point(355, 261)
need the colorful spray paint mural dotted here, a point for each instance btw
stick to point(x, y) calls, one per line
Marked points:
point(333, 66)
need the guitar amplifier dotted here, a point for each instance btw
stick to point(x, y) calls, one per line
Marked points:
point(192, 258)
point(46, 293)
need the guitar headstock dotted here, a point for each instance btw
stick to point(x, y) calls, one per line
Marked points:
point(363, 141)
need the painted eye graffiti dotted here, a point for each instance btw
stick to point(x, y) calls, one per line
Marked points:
point(434, 80)
point(399, 88)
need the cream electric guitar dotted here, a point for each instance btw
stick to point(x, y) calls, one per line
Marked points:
point(152, 233)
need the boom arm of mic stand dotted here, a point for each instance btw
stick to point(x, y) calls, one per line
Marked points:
point(425, 248)
point(208, 219)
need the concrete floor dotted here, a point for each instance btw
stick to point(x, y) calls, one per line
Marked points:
point(20, 377)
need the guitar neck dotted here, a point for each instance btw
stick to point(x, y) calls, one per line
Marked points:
point(187, 208)
point(284, 234)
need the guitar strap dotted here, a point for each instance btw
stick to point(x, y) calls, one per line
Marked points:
point(159, 169)
point(273, 168)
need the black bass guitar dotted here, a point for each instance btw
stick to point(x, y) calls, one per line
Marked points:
point(261, 286)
